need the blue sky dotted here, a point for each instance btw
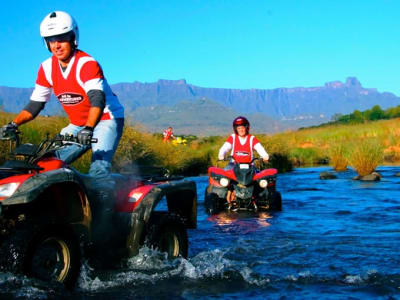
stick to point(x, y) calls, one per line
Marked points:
point(215, 43)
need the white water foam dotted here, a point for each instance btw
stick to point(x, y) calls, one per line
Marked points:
point(301, 275)
point(353, 279)
point(359, 278)
point(21, 286)
point(31, 292)
point(151, 266)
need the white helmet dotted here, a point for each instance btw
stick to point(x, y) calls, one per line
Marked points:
point(59, 24)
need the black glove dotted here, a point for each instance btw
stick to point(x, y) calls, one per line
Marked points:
point(8, 129)
point(85, 135)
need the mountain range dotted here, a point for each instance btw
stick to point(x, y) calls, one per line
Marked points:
point(209, 111)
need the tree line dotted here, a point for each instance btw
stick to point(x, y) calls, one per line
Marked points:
point(356, 117)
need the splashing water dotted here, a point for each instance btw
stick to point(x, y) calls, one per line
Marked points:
point(334, 239)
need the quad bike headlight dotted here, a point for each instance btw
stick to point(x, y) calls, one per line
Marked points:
point(6, 190)
point(224, 182)
point(263, 183)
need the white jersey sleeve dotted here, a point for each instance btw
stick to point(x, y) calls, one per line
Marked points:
point(261, 151)
point(226, 147)
point(41, 93)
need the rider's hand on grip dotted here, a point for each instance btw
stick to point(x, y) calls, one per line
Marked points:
point(8, 129)
point(85, 135)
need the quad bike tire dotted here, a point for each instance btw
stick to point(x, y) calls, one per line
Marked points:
point(213, 203)
point(276, 203)
point(166, 232)
point(49, 255)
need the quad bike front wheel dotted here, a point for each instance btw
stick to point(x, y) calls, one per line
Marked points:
point(213, 203)
point(167, 233)
point(49, 255)
point(54, 256)
point(276, 201)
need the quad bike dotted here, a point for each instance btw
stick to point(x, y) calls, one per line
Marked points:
point(244, 185)
point(50, 218)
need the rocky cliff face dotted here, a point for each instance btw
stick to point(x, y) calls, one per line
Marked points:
point(281, 103)
point(299, 106)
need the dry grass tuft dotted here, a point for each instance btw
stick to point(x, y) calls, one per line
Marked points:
point(365, 156)
point(337, 153)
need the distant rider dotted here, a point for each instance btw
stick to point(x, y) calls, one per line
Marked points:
point(241, 145)
point(168, 134)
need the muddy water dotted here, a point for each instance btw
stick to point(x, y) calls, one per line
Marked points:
point(334, 239)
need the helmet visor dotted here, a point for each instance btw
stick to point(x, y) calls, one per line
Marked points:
point(65, 37)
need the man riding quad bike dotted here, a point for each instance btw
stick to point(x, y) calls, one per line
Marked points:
point(241, 185)
point(50, 218)
point(246, 187)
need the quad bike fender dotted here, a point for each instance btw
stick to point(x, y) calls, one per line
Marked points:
point(181, 199)
point(34, 186)
point(54, 197)
point(218, 172)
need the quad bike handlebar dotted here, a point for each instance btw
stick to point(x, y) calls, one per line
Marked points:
point(230, 157)
point(14, 136)
point(60, 140)
point(35, 152)
point(69, 138)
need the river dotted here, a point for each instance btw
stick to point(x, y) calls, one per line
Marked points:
point(334, 239)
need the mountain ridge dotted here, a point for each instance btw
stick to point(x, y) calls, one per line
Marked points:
point(288, 107)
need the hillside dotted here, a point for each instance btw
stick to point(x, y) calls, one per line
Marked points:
point(202, 117)
point(175, 102)
point(301, 103)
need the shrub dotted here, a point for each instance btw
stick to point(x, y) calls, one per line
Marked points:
point(281, 162)
point(305, 156)
point(365, 156)
point(337, 156)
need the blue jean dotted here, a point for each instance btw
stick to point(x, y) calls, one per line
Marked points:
point(108, 133)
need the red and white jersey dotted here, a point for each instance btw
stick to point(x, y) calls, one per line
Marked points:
point(242, 153)
point(167, 134)
point(242, 148)
point(71, 86)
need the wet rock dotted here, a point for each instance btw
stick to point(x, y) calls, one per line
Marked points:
point(327, 175)
point(374, 176)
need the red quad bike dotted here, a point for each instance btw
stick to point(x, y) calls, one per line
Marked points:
point(248, 188)
point(49, 216)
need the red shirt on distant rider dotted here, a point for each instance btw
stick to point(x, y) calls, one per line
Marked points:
point(242, 144)
point(168, 134)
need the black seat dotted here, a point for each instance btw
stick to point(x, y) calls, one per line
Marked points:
point(26, 150)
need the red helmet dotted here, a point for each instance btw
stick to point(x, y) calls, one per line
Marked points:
point(241, 121)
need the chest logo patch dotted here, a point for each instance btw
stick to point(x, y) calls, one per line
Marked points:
point(70, 98)
point(242, 153)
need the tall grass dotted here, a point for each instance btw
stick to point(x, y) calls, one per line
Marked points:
point(360, 146)
point(144, 149)
point(338, 156)
point(365, 156)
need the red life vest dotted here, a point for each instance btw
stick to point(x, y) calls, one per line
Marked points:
point(167, 134)
point(83, 73)
point(242, 153)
